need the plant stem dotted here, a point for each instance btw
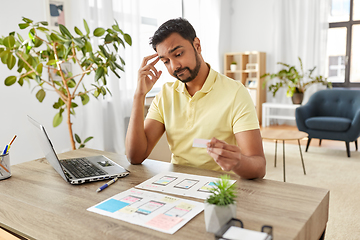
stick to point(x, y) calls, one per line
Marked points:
point(68, 100)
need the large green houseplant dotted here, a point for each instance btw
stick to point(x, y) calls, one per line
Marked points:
point(295, 81)
point(220, 206)
point(44, 59)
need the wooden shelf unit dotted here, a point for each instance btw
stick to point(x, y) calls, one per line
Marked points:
point(250, 66)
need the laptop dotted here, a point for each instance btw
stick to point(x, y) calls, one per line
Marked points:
point(78, 170)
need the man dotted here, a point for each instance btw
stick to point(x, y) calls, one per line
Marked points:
point(201, 104)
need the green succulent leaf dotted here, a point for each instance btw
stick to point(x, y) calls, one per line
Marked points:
point(223, 193)
point(10, 80)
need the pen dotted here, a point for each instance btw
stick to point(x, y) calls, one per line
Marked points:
point(5, 149)
point(4, 152)
point(12, 140)
point(106, 184)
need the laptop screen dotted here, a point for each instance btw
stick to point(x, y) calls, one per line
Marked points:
point(47, 148)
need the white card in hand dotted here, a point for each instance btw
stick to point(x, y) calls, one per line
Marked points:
point(200, 143)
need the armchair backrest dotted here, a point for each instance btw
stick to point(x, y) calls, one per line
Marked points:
point(335, 102)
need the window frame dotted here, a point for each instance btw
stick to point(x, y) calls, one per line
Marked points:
point(348, 25)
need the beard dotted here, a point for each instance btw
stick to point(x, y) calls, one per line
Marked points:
point(193, 72)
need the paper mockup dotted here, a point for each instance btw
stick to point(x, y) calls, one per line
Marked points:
point(148, 209)
point(181, 184)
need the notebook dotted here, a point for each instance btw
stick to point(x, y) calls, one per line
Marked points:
point(78, 170)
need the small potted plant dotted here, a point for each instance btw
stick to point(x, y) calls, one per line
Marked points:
point(233, 66)
point(295, 81)
point(220, 206)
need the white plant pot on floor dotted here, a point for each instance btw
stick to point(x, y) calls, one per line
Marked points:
point(217, 216)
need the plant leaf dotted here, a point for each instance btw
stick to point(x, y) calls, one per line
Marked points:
point(40, 95)
point(65, 31)
point(127, 39)
point(78, 32)
point(86, 27)
point(84, 99)
point(11, 60)
point(98, 32)
point(10, 80)
point(23, 25)
point(9, 41)
point(27, 20)
point(57, 119)
point(88, 139)
point(77, 138)
point(99, 73)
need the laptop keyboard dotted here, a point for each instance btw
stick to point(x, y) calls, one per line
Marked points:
point(81, 167)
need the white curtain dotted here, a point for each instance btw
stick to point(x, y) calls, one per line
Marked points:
point(204, 15)
point(106, 118)
point(300, 30)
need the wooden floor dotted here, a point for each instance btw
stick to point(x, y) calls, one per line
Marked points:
point(314, 142)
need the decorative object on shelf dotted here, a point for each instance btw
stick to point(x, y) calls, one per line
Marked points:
point(233, 66)
point(251, 82)
point(48, 58)
point(220, 206)
point(294, 80)
point(252, 66)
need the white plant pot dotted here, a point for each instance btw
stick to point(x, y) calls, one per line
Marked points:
point(218, 216)
point(233, 67)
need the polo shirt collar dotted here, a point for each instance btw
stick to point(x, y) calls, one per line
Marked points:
point(209, 82)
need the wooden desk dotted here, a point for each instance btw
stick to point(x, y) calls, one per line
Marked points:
point(38, 204)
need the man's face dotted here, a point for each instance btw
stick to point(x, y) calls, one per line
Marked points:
point(180, 57)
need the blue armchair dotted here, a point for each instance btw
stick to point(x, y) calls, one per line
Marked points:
point(332, 114)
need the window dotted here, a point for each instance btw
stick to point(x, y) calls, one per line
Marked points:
point(343, 48)
point(153, 14)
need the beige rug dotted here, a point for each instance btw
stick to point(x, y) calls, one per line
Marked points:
point(325, 168)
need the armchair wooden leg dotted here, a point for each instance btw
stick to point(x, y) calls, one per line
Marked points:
point(347, 148)
point(356, 145)
point(320, 142)
point(307, 145)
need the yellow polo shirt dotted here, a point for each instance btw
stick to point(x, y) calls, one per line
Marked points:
point(220, 109)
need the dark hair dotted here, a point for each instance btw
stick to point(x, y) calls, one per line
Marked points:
point(178, 25)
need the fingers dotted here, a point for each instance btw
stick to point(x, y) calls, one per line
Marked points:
point(146, 59)
point(225, 155)
point(219, 144)
point(149, 69)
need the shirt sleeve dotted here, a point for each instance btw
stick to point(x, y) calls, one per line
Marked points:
point(244, 113)
point(155, 112)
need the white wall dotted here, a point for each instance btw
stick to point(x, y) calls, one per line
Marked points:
point(17, 102)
